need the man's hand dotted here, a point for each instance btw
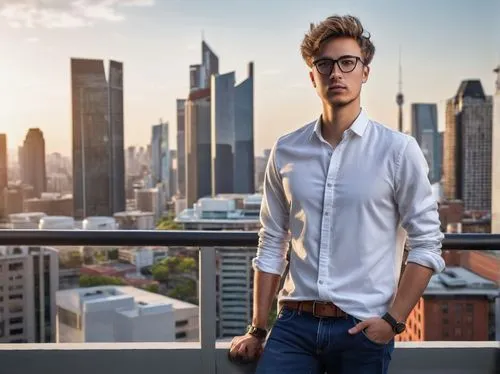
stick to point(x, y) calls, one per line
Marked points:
point(246, 348)
point(376, 329)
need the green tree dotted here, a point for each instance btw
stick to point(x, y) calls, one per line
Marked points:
point(168, 223)
point(100, 257)
point(113, 254)
point(184, 290)
point(186, 265)
point(153, 287)
point(71, 260)
point(98, 280)
point(160, 272)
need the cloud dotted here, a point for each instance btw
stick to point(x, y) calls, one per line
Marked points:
point(65, 13)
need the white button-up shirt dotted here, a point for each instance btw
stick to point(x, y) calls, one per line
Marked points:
point(347, 211)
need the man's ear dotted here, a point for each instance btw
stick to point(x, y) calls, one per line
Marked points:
point(366, 73)
point(311, 76)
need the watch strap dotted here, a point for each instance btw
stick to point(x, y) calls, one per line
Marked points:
point(258, 332)
point(397, 327)
point(390, 320)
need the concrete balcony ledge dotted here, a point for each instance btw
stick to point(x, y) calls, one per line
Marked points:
point(177, 358)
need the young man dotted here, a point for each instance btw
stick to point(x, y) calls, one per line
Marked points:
point(345, 190)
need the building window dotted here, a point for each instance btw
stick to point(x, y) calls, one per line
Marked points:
point(444, 308)
point(469, 308)
point(15, 308)
point(184, 322)
point(16, 320)
point(458, 332)
point(15, 266)
point(16, 332)
point(180, 335)
point(445, 321)
point(16, 297)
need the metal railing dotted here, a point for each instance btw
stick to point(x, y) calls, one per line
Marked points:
point(208, 241)
point(191, 238)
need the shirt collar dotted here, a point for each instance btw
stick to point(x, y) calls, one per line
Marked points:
point(358, 126)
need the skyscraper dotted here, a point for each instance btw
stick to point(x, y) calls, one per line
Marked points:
point(98, 151)
point(3, 162)
point(160, 163)
point(195, 77)
point(117, 149)
point(223, 132)
point(181, 148)
point(156, 135)
point(165, 161)
point(209, 64)
point(232, 134)
point(173, 171)
point(244, 157)
point(440, 149)
point(467, 147)
point(3, 172)
point(425, 130)
point(495, 190)
point(198, 153)
point(33, 164)
point(197, 127)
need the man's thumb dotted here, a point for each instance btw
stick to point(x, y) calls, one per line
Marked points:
point(359, 327)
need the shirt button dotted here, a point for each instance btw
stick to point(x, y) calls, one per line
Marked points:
point(329, 184)
point(320, 282)
point(326, 214)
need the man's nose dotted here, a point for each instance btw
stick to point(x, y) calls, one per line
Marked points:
point(336, 72)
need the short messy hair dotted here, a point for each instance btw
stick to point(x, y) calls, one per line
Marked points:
point(336, 27)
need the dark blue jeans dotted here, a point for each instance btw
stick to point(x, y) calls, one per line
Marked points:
point(300, 343)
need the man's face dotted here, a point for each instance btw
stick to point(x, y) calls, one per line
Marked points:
point(338, 71)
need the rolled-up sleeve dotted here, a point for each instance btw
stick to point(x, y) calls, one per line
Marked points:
point(274, 236)
point(418, 208)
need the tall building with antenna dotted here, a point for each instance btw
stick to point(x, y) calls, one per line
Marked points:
point(400, 97)
point(495, 159)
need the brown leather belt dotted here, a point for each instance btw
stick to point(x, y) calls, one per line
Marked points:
point(320, 309)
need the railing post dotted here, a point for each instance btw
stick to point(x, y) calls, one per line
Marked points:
point(208, 309)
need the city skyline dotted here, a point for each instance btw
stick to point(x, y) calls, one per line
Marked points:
point(156, 55)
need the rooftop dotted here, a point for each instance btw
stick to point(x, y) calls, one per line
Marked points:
point(223, 209)
point(74, 298)
point(460, 281)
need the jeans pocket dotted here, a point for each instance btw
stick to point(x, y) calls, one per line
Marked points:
point(286, 314)
point(363, 332)
point(365, 337)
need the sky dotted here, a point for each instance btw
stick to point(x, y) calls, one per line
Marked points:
point(442, 42)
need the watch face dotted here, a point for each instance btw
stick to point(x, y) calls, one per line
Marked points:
point(400, 327)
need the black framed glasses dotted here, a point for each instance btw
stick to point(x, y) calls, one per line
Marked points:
point(346, 64)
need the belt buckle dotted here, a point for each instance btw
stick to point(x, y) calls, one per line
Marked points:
point(315, 302)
